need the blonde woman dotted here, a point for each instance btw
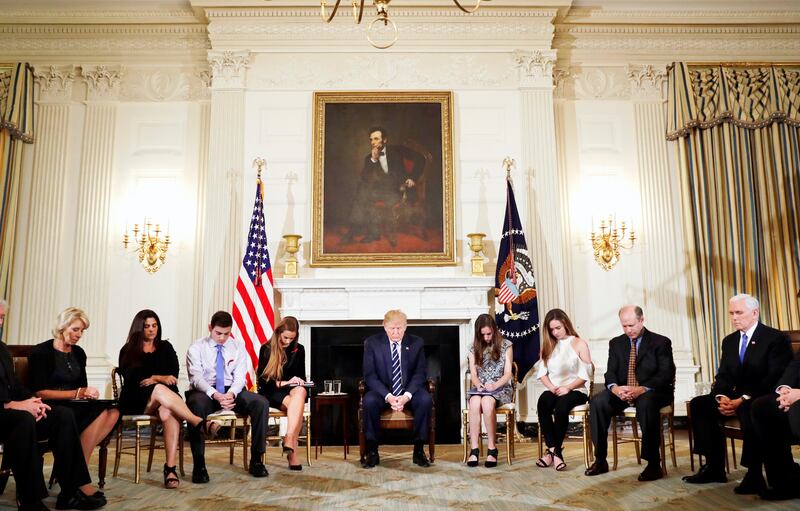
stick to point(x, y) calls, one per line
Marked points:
point(58, 376)
point(565, 366)
point(281, 374)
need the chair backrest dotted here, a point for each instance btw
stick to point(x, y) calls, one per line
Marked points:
point(794, 337)
point(19, 354)
point(116, 382)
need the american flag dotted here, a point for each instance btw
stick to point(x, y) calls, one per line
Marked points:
point(253, 315)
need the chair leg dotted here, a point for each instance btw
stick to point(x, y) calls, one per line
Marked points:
point(614, 438)
point(672, 440)
point(362, 439)
point(152, 447)
point(691, 444)
point(539, 440)
point(636, 441)
point(663, 450)
point(180, 451)
point(118, 450)
point(733, 452)
point(432, 441)
point(587, 443)
point(137, 454)
point(308, 440)
point(103, 461)
point(509, 438)
point(465, 429)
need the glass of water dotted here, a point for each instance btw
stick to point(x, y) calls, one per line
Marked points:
point(337, 386)
point(328, 386)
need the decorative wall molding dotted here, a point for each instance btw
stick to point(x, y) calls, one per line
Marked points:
point(647, 82)
point(78, 15)
point(399, 11)
point(382, 71)
point(535, 68)
point(687, 16)
point(165, 84)
point(103, 82)
point(228, 68)
point(55, 83)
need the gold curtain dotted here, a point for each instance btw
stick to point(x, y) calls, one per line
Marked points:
point(738, 141)
point(16, 129)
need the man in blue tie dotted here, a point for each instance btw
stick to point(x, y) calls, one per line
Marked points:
point(217, 366)
point(753, 359)
point(395, 372)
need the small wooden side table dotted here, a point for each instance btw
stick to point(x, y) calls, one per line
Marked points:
point(343, 402)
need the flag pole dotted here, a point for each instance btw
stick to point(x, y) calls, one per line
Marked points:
point(259, 163)
point(508, 164)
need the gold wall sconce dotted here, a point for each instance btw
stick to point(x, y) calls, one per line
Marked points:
point(609, 240)
point(151, 247)
point(292, 247)
point(476, 245)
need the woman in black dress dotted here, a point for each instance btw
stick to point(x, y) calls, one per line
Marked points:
point(281, 374)
point(58, 375)
point(149, 367)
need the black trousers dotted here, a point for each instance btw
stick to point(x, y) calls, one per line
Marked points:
point(20, 432)
point(709, 440)
point(606, 405)
point(774, 434)
point(421, 405)
point(254, 405)
point(554, 415)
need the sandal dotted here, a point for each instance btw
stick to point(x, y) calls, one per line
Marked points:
point(171, 480)
point(546, 460)
point(474, 452)
point(559, 462)
point(493, 453)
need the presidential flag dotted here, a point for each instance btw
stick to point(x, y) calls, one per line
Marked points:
point(253, 314)
point(517, 312)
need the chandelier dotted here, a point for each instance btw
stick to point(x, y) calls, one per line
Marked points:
point(381, 26)
point(609, 240)
point(151, 246)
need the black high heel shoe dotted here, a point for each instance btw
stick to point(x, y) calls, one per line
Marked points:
point(474, 452)
point(287, 451)
point(491, 452)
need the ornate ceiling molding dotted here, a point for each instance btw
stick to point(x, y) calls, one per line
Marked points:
point(228, 69)
point(109, 16)
point(639, 82)
point(165, 84)
point(55, 83)
point(682, 16)
point(647, 82)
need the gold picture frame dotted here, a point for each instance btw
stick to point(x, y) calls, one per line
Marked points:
point(383, 179)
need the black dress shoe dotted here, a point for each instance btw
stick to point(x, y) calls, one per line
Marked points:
point(705, 475)
point(651, 472)
point(79, 500)
point(200, 475)
point(420, 459)
point(35, 506)
point(752, 484)
point(257, 469)
point(597, 468)
point(371, 459)
point(780, 493)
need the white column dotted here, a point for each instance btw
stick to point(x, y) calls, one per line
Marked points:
point(199, 318)
point(544, 233)
point(223, 208)
point(36, 305)
point(663, 279)
point(90, 266)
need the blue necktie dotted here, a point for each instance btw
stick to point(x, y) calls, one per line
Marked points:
point(397, 374)
point(743, 348)
point(220, 383)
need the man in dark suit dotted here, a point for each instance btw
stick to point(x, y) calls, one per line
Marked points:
point(395, 372)
point(641, 373)
point(389, 173)
point(776, 421)
point(753, 358)
point(24, 420)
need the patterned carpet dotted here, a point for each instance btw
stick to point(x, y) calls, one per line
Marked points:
point(397, 484)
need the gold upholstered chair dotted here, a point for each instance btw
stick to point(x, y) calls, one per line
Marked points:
point(275, 416)
point(507, 411)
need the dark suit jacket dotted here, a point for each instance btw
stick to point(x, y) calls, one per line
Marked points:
point(655, 367)
point(378, 364)
point(10, 387)
point(791, 376)
point(42, 365)
point(765, 360)
point(403, 163)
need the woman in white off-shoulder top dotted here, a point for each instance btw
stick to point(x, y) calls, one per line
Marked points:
point(565, 368)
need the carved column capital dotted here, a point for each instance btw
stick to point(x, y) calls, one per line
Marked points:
point(103, 81)
point(228, 68)
point(535, 68)
point(647, 82)
point(55, 83)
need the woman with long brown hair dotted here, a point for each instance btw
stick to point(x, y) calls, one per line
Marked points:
point(490, 370)
point(149, 367)
point(281, 374)
point(564, 367)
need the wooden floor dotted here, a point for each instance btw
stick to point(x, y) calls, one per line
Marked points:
point(397, 484)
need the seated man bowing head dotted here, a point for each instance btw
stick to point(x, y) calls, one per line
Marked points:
point(641, 373)
point(217, 367)
point(395, 371)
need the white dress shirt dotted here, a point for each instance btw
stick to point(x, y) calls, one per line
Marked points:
point(201, 364)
